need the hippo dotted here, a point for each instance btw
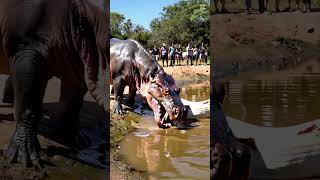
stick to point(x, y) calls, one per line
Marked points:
point(229, 156)
point(41, 39)
point(131, 65)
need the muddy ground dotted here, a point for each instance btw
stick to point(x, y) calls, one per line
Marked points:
point(264, 43)
point(60, 162)
point(120, 126)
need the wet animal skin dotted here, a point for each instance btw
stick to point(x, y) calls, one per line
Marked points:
point(131, 65)
point(42, 39)
point(229, 156)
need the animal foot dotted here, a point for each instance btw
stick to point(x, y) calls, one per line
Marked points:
point(117, 108)
point(24, 147)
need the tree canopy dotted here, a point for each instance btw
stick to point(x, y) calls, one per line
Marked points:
point(123, 28)
point(184, 22)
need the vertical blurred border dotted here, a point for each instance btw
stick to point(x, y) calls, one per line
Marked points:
point(212, 77)
point(106, 4)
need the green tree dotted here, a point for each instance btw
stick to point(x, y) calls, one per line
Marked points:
point(141, 35)
point(184, 22)
point(127, 29)
point(116, 22)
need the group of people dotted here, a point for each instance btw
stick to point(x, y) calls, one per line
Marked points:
point(263, 6)
point(176, 56)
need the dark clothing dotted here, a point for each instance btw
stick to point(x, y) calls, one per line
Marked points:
point(190, 51)
point(248, 4)
point(202, 50)
point(172, 58)
point(179, 55)
point(172, 53)
point(164, 55)
point(179, 51)
point(190, 54)
point(163, 51)
point(155, 51)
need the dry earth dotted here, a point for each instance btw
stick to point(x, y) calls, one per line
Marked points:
point(264, 42)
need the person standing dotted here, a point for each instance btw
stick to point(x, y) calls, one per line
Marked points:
point(155, 53)
point(195, 54)
point(190, 54)
point(164, 54)
point(262, 6)
point(223, 6)
point(248, 6)
point(172, 53)
point(179, 54)
point(277, 5)
point(202, 51)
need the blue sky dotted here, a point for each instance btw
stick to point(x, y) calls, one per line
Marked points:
point(140, 11)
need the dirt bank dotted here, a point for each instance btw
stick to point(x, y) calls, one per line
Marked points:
point(122, 125)
point(264, 42)
point(187, 74)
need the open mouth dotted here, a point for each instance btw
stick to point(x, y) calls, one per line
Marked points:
point(166, 114)
point(164, 117)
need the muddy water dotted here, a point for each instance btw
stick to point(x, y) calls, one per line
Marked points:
point(171, 153)
point(274, 103)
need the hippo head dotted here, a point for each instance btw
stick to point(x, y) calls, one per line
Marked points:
point(163, 98)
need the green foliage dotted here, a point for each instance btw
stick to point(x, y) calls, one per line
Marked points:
point(141, 35)
point(116, 23)
point(123, 28)
point(184, 22)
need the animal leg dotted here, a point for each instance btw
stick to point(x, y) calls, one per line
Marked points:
point(220, 163)
point(241, 158)
point(118, 85)
point(29, 86)
point(132, 95)
point(71, 101)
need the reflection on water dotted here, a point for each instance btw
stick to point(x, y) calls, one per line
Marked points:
point(195, 93)
point(275, 103)
point(171, 153)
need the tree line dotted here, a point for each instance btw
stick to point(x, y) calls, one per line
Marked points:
point(181, 23)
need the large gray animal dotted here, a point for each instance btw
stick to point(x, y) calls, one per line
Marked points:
point(229, 156)
point(132, 65)
point(41, 39)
